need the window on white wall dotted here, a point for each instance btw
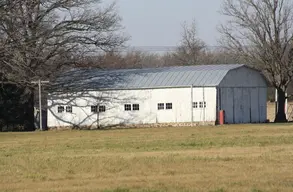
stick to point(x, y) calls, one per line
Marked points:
point(69, 109)
point(60, 109)
point(94, 109)
point(127, 107)
point(161, 106)
point(102, 108)
point(135, 107)
point(169, 106)
point(200, 104)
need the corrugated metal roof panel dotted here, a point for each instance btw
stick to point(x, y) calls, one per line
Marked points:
point(151, 79)
point(199, 75)
point(165, 80)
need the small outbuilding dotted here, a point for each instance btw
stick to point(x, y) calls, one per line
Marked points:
point(181, 94)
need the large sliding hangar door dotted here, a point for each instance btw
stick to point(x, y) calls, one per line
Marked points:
point(243, 105)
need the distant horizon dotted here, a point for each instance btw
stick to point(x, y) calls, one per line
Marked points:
point(159, 49)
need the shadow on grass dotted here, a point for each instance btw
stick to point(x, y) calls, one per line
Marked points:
point(128, 190)
point(218, 190)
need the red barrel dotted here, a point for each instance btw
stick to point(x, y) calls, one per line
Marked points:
point(221, 117)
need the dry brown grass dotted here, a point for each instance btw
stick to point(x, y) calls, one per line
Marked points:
point(230, 158)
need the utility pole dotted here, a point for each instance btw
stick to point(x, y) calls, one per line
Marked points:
point(191, 89)
point(276, 102)
point(39, 82)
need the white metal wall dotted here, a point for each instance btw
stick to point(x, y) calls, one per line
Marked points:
point(147, 99)
point(208, 95)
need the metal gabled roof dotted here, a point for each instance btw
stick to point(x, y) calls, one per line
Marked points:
point(179, 76)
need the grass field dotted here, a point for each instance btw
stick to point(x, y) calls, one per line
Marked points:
point(251, 158)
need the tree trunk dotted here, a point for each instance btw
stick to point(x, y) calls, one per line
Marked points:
point(281, 116)
point(29, 112)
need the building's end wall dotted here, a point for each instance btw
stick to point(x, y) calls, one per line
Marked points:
point(243, 77)
point(243, 96)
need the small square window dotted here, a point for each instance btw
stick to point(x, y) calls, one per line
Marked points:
point(195, 104)
point(205, 104)
point(102, 108)
point(200, 104)
point(127, 107)
point(135, 107)
point(69, 109)
point(60, 109)
point(169, 106)
point(94, 109)
point(161, 106)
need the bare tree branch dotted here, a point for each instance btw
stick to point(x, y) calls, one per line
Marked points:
point(191, 47)
point(39, 37)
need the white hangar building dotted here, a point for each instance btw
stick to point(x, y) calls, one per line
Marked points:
point(185, 94)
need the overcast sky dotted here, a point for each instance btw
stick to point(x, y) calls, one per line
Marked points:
point(158, 22)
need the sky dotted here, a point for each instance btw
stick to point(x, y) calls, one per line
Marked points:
point(158, 22)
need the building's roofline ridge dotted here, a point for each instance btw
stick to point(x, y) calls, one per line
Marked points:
point(233, 66)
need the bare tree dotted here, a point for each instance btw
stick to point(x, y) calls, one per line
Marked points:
point(39, 37)
point(191, 47)
point(262, 33)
